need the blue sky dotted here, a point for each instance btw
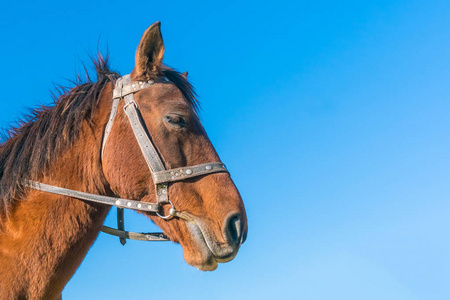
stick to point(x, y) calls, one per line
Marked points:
point(333, 117)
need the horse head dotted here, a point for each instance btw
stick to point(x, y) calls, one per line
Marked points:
point(214, 223)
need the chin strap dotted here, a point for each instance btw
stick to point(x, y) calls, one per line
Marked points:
point(123, 235)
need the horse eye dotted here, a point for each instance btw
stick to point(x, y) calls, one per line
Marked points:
point(176, 120)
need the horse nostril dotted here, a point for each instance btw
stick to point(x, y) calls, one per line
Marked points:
point(233, 229)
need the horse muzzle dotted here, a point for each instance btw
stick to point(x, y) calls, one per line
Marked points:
point(234, 234)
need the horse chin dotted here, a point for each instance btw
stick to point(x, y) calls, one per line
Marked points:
point(205, 265)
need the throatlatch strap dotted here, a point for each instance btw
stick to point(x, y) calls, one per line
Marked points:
point(115, 104)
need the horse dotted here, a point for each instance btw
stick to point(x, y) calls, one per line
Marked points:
point(66, 165)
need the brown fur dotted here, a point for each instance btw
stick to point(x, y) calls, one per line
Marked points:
point(44, 237)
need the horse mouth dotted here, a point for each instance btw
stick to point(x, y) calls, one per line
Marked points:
point(208, 252)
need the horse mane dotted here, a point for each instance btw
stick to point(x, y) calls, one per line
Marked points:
point(29, 148)
point(39, 137)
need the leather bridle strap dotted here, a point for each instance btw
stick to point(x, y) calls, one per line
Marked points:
point(149, 152)
point(118, 202)
point(161, 177)
point(150, 236)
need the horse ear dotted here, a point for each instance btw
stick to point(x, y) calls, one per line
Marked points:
point(185, 74)
point(150, 52)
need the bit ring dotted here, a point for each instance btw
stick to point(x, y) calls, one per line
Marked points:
point(172, 209)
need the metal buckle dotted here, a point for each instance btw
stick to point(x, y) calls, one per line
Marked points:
point(171, 212)
point(129, 103)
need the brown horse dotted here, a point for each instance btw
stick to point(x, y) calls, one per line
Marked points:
point(44, 237)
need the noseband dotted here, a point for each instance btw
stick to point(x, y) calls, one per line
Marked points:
point(124, 89)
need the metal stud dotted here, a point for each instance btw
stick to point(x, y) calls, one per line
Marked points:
point(133, 85)
point(149, 207)
point(139, 205)
point(188, 171)
point(118, 202)
point(177, 174)
point(171, 172)
point(129, 204)
point(172, 177)
point(208, 167)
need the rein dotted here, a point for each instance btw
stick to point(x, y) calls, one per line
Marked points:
point(124, 89)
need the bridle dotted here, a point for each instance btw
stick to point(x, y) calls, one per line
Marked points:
point(125, 89)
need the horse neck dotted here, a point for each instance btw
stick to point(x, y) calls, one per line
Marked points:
point(46, 236)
